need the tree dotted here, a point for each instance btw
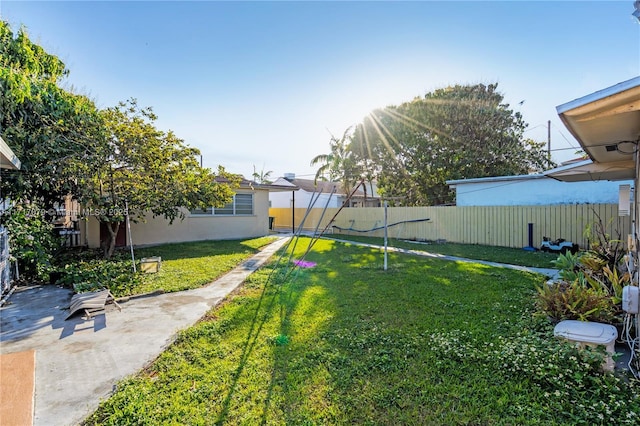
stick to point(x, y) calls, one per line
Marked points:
point(139, 169)
point(262, 176)
point(47, 127)
point(109, 160)
point(452, 133)
point(339, 165)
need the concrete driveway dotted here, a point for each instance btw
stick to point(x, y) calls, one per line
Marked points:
point(79, 362)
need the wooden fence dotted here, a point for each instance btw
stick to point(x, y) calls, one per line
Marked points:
point(505, 226)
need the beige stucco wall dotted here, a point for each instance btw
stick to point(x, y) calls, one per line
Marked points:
point(195, 228)
point(90, 232)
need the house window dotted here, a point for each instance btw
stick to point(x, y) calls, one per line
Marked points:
point(241, 205)
point(202, 212)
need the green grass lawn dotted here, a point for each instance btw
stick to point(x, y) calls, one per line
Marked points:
point(425, 342)
point(184, 266)
point(192, 265)
point(508, 255)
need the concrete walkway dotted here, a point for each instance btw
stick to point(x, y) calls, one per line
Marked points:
point(548, 272)
point(78, 362)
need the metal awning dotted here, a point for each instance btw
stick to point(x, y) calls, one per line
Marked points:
point(607, 122)
point(589, 171)
point(8, 159)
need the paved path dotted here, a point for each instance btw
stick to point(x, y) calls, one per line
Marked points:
point(79, 362)
point(548, 272)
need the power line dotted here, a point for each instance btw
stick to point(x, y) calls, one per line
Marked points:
point(533, 128)
point(564, 137)
point(566, 149)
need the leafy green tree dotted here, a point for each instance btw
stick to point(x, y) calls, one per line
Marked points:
point(340, 164)
point(452, 133)
point(109, 160)
point(46, 126)
point(139, 169)
point(32, 240)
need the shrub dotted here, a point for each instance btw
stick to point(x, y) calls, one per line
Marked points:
point(32, 241)
point(562, 300)
point(569, 266)
point(592, 281)
point(610, 251)
point(89, 274)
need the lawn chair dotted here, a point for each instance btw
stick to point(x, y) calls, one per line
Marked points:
point(91, 303)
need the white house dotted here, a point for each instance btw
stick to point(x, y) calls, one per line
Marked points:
point(325, 194)
point(534, 189)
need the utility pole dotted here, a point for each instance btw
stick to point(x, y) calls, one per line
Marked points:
point(549, 139)
point(293, 212)
point(385, 234)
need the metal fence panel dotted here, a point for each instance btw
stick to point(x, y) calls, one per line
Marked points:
point(505, 226)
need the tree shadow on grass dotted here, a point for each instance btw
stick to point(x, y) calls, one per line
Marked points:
point(280, 289)
point(360, 350)
point(260, 318)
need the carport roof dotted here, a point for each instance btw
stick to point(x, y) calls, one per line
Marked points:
point(8, 159)
point(606, 122)
point(587, 170)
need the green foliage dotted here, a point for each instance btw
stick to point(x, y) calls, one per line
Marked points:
point(610, 251)
point(279, 340)
point(570, 378)
point(109, 160)
point(604, 264)
point(184, 266)
point(436, 342)
point(569, 266)
point(574, 300)
point(452, 133)
point(50, 129)
point(32, 240)
point(141, 169)
point(340, 164)
point(262, 176)
point(87, 271)
point(592, 281)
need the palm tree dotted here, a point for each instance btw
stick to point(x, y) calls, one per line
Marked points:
point(339, 164)
point(262, 176)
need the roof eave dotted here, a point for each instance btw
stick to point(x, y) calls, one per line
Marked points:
point(8, 160)
point(607, 122)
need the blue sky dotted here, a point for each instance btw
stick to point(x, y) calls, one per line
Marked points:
point(266, 83)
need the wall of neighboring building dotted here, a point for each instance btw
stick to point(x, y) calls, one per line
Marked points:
point(194, 227)
point(538, 191)
point(303, 198)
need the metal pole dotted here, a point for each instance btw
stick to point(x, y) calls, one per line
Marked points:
point(385, 235)
point(293, 212)
point(634, 220)
point(133, 259)
point(549, 139)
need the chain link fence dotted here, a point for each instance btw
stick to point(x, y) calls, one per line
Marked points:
point(5, 262)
